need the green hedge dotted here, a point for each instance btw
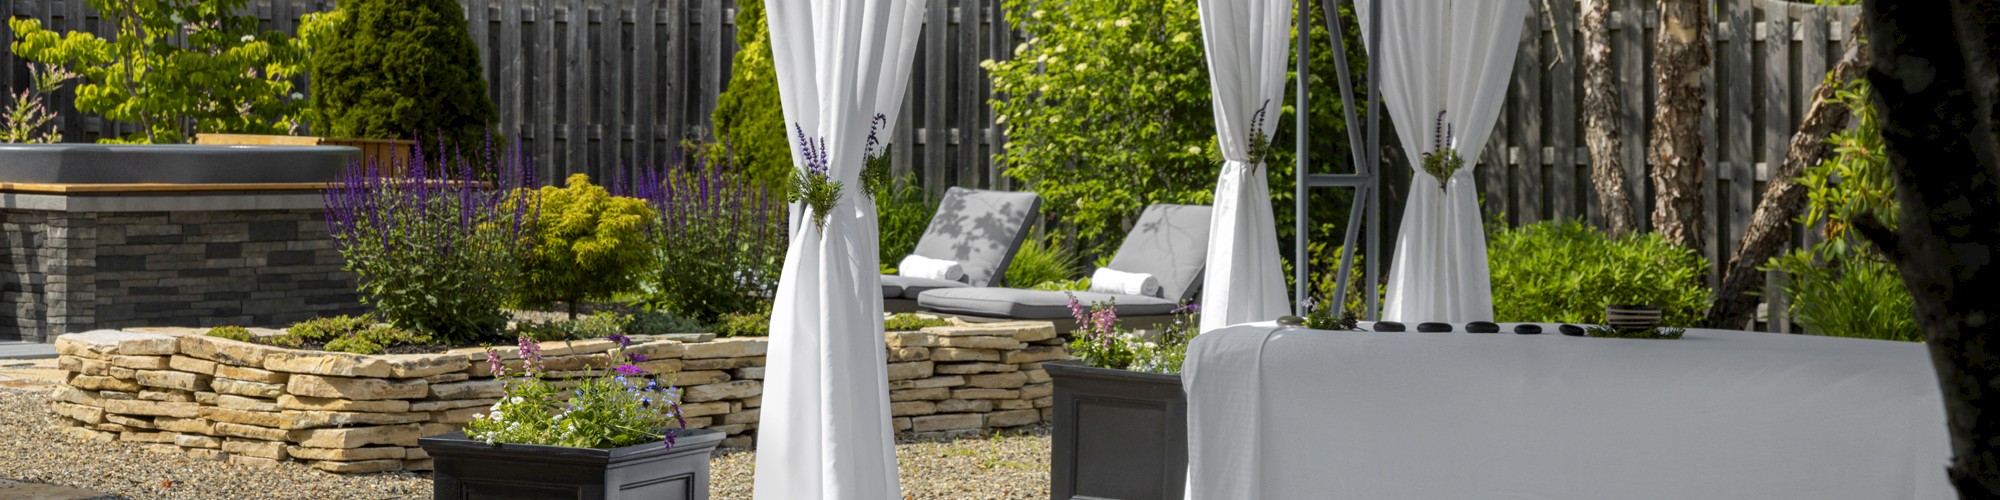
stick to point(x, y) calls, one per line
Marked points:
point(1564, 271)
point(397, 69)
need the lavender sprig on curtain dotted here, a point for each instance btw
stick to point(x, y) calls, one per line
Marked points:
point(1442, 161)
point(814, 185)
point(435, 247)
point(875, 176)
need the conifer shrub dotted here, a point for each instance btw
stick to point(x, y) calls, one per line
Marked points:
point(396, 69)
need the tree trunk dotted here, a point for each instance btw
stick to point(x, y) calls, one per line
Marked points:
point(1600, 119)
point(1680, 69)
point(1783, 196)
point(1935, 84)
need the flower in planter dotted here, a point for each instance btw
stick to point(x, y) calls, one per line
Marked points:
point(1101, 343)
point(620, 407)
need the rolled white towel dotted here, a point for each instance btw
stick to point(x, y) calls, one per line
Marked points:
point(918, 266)
point(1108, 280)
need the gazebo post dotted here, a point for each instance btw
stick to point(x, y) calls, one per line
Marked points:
point(1302, 162)
point(1363, 180)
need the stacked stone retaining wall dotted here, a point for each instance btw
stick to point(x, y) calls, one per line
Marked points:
point(176, 390)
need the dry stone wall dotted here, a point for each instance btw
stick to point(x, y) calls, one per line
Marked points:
point(176, 390)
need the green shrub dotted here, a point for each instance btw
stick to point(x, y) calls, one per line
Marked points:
point(721, 240)
point(1106, 109)
point(662, 322)
point(747, 116)
point(1075, 285)
point(1844, 287)
point(394, 69)
point(326, 329)
point(176, 68)
point(745, 324)
point(902, 215)
point(588, 244)
point(1042, 261)
point(1563, 271)
point(375, 338)
point(908, 322)
point(235, 333)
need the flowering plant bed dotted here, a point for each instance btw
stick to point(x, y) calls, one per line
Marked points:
point(1120, 415)
point(468, 468)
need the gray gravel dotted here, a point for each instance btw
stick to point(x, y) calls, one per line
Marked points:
point(1009, 465)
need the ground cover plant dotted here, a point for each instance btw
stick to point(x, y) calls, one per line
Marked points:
point(1564, 271)
point(176, 68)
point(437, 251)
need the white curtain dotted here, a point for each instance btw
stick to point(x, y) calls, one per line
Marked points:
point(1451, 56)
point(825, 427)
point(1248, 44)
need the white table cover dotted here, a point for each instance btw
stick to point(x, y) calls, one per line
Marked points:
point(1293, 413)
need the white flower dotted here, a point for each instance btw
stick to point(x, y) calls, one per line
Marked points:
point(1082, 66)
point(476, 416)
point(1194, 150)
point(296, 95)
point(518, 400)
point(1123, 23)
point(1038, 14)
point(1018, 49)
point(248, 38)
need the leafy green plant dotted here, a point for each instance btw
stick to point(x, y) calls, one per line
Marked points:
point(393, 69)
point(1075, 285)
point(235, 333)
point(375, 338)
point(624, 406)
point(662, 322)
point(902, 215)
point(1106, 109)
point(1844, 287)
point(907, 322)
point(1041, 261)
point(587, 244)
point(746, 114)
point(176, 68)
point(1442, 160)
point(1564, 271)
point(745, 324)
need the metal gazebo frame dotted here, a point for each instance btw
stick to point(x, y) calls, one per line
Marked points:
point(1367, 161)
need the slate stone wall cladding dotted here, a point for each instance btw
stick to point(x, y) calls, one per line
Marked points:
point(175, 390)
point(77, 271)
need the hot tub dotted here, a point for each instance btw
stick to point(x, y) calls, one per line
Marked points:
point(170, 164)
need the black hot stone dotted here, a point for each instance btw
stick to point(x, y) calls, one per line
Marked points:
point(1571, 330)
point(1388, 326)
point(1482, 327)
point(1433, 327)
point(1528, 329)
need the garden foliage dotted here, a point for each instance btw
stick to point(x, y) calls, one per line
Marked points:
point(395, 69)
point(747, 114)
point(721, 239)
point(906, 322)
point(624, 406)
point(1564, 271)
point(1040, 262)
point(235, 333)
point(598, 324)
point(28, 118)
point(1844, 286)
point(177, 67)
point(439, 249)
point(663, 322)
point(1100, 342)
point(588, 244)
point(902, 214)
point(1106, 109)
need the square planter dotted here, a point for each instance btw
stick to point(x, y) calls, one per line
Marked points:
point(467, 469)
point(1118, 434)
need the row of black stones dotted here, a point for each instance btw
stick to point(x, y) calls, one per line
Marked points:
point(1477, 327)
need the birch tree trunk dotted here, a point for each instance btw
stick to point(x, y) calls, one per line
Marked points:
point(1784, 198)
point(1600, 119)
point(1680, 69)
point(1935, 84)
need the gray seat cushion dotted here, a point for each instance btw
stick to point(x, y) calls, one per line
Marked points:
point(980, 230)
point(1034, 304)
point(908, 288)
point(1169, 242)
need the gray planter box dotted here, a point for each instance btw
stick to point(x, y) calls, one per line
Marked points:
point(467, 469)
point(1118, 434)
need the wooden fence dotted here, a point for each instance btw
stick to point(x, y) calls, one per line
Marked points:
point(591, 85)
point(1769, 55)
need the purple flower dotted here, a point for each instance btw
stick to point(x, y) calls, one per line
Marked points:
point(637, 358)
point(493, 361)
point(531, 353)
point(630, 370)
point(621, 339)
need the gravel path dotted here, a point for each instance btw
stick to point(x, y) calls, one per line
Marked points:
point(1002, 466)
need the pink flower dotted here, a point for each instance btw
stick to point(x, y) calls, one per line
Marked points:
point(531, 354)
point(493, 361)
point(630, 370)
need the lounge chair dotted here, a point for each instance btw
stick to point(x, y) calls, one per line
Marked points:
point(979, 230)
point(1169, 242)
